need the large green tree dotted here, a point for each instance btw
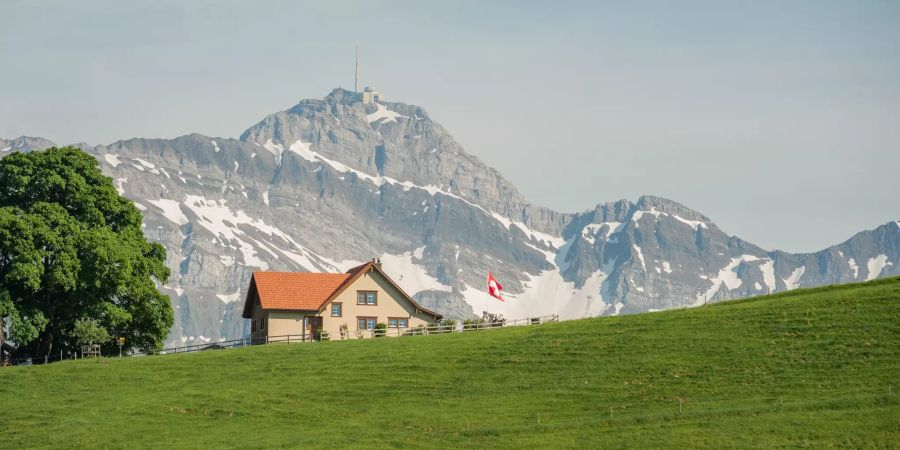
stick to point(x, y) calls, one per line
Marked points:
point(71, 247)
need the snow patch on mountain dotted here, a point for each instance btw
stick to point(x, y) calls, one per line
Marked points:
point(876, 265)
point(793, 281)
point(768, 271)
point(171, 210)
point(636, 217)
point(854, 268)
point(666, 267)
point(413, 277)
point(383, 114)
point(592, 230)
point(302, 148)
point(146, 164)
point(546, 239)
point(112, 160)
point(226, 260)
point(640, 255)
point(727, 276)
point(276, 149)
point(695, 224)
point(230, 298)
point(120, 185)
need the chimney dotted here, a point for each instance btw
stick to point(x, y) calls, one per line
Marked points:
point(377, 262)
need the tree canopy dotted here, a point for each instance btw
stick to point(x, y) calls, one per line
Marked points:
point(88, 331)
point(71, 247)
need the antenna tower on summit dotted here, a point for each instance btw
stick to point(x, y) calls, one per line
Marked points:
point(356, 82)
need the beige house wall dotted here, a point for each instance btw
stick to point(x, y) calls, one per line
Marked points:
point(391, 304)
point(282, 323)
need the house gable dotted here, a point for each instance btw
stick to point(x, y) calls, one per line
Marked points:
point(364, 279)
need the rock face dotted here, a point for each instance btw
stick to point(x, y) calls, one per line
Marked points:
point(23, 144)
point(330, 183)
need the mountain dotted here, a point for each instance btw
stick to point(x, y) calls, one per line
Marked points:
point(332, 182)
point(23, 144)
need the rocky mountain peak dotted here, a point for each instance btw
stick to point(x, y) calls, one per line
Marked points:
point(397, 143)
point(23, 144)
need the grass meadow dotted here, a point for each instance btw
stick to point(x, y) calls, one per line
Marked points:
point(809, 368)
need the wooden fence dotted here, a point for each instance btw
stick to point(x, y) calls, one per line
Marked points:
point(299, 338)
point(360, 334)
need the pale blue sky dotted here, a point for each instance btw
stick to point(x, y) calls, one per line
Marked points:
point(779, 120)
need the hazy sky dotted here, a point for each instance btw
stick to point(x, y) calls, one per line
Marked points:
point(779, 120)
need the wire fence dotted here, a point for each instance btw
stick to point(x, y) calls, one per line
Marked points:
point(421, 330)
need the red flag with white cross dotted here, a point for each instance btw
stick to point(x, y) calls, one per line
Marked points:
point(494, 287)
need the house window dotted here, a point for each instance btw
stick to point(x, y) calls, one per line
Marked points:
point(366, 298)
point(336, 310)
point(366, 323)
point(397, 322)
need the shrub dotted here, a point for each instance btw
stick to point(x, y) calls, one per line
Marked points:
point(89, 332)
point(380, 330)
point(496, 320)
point(469, 324)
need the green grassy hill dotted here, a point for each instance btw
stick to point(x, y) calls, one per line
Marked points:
point(809, 368)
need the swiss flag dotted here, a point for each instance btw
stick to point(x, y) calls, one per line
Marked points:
point(494, 287)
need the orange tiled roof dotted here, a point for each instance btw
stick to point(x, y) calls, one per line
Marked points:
point(307, 291)
point(297, 290)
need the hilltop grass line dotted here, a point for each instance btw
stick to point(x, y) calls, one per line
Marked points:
point(832, 354)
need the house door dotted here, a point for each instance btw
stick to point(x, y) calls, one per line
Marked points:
point(315, 327)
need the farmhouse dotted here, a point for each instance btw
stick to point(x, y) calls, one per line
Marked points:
point(304, 305)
